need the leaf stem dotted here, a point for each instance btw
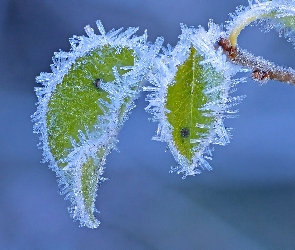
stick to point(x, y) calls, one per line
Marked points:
point(252, 14)
point(264, 10)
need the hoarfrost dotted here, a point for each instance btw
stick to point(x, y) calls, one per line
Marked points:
point(165, 68)
point(104, 136)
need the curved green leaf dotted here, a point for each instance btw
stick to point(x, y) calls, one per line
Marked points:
point(83, 104)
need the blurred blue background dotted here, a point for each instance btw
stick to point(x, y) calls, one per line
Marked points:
point(246, 202)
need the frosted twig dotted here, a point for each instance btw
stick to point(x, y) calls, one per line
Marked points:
point(262, 70)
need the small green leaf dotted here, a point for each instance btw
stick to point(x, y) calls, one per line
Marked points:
point(190, 99)
point(184, 99)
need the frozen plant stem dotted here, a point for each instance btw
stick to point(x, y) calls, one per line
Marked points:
point(262, 70)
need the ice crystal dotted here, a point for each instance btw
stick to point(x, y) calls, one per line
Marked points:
point(82, 105)
point(210, 82)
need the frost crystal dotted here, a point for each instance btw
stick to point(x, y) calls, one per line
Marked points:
point(215, 68)
point(79, 166)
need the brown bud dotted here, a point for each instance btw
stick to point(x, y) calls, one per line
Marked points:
point(226, 45)
point(260, 75)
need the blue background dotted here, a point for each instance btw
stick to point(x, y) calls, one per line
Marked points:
point(246, 202)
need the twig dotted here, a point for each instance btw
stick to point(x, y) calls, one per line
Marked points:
point(262, 70)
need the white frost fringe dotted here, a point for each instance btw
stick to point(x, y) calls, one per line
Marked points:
point(165, 69)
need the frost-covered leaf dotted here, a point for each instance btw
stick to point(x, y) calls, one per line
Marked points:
point(191, 98)
point(184, 99)
point(82, 105)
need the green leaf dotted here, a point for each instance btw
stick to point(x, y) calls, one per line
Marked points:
point(184, 99)
point(190, 98)
point(82, 105)
point(73, 105)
